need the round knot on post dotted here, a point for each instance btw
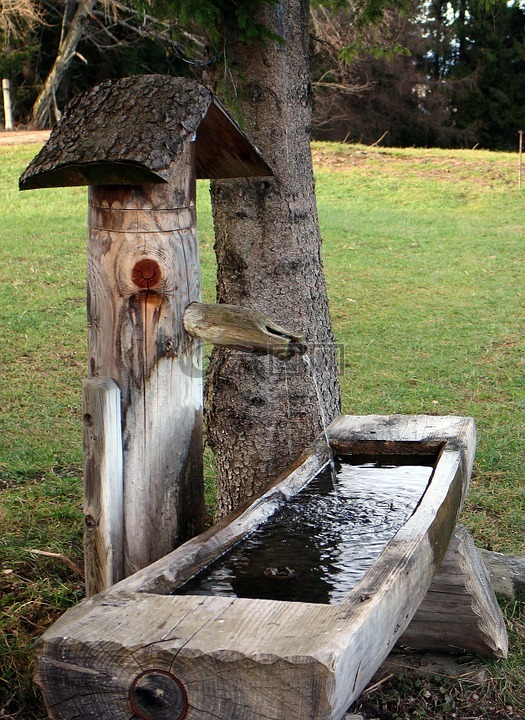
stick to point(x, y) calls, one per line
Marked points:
point(146, 274)
point(88, 421)
point(158, 695)
point(90, 522)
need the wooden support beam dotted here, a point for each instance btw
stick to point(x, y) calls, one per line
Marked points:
point(460, 611)
point(103, 485)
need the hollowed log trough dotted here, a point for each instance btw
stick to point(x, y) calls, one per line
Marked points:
point(137, 651)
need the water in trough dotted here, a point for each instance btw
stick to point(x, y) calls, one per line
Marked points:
point(321, 543)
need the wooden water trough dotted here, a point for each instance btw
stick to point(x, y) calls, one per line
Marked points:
point(139, 651)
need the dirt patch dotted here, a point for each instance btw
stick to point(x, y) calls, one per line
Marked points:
point(19, 137)
point(480, 167)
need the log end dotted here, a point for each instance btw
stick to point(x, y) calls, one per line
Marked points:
point(158, 695)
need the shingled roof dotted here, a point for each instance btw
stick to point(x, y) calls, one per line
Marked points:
point(130, 131)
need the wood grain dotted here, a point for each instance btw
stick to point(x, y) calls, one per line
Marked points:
point(103, 485)
point(460, 611)
point(243, 329)
point(143, 270)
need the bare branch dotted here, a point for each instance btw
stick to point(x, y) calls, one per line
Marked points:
point(352, 89)
point(59, 556)
point(17, 17)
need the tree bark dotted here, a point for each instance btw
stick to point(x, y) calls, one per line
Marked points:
point(261, 412)
point(45, 105)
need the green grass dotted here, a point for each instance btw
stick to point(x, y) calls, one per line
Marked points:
point(424, 261)
point(423, 253)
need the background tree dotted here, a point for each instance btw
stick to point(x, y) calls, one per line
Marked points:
point(485, 81)
point(368, 85)
point(85, 41)
point(18, 19)
point(437, 72)
point(446, 74)
point(261, 413)
point(53, 50)
point(73, 28)
point(379, 85)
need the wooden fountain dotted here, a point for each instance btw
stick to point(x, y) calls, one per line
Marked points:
point(133, 649)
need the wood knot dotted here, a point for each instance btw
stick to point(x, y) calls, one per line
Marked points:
point(90, 522)
point(88, 420)
point(158, 695)
point(146, 274)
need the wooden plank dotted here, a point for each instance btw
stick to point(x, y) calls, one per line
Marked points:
point(244, 659)
point(143, 270)
point(460, 611)
point(223, 151)
point(418, 433)
point(103, 485)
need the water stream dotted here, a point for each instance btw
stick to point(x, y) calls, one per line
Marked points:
point(307, 361)
point(318, 547)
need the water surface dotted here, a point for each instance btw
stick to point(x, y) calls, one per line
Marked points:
point(318, 547)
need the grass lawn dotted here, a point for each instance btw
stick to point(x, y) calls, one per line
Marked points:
point(424, 258)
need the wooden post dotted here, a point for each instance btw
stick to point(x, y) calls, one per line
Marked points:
point(140, 143)
point(103, 485)
point(520, 166)
point(143, 270)
point(8, 115)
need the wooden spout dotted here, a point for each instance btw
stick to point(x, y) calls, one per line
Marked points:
point(241, 329)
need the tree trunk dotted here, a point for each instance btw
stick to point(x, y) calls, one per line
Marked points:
point(262, 412)
point(45, 105)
